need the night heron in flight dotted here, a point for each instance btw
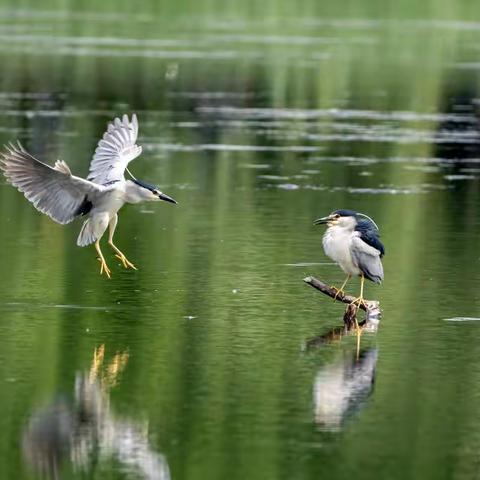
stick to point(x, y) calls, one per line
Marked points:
point(63, 196)
point(352, 240)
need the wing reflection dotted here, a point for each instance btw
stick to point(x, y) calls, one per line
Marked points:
point(86, 431)
point(343, 387)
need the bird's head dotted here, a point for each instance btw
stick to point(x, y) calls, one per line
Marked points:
point(151, 192)
point(347, 219)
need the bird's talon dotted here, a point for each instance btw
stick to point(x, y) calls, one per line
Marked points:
point(104, 268)
point(358, 302)
point(339, 291)
point(126, 263)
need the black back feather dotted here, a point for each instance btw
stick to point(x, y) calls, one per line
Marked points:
point(369, 234)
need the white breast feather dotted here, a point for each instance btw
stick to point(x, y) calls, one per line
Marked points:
point(336, 244)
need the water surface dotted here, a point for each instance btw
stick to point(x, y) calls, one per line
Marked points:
point(256, 122)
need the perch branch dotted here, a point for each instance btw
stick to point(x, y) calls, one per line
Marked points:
point(371, 307)
point(332, 291)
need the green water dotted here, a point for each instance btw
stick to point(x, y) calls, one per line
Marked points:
point(257, 118)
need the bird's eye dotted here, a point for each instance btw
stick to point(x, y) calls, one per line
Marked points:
point(337, 216)
point(155, 192)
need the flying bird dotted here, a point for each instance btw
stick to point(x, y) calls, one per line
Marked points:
point(352, 240)
point(63, 196)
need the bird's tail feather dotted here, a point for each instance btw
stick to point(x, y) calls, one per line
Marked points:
point(88, 234)
point(93, 229)
point(86, 237)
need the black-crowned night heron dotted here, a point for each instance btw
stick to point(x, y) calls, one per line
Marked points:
point(352, 240)
point(63, 196)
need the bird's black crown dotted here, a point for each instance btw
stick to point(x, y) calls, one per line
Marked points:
point(146, 185)
point(345, 213)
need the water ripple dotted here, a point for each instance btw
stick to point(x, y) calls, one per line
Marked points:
point(305, 114)
point(462, 319)
point(181, 147)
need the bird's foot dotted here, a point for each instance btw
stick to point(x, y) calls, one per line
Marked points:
point(339, 291)
point(359, 301)
point(125, 261)
point(104, 267)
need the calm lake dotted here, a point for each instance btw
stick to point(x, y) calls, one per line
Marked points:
point(257, 118)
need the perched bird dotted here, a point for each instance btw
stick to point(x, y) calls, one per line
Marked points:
point(63, 196)
point(352, 240)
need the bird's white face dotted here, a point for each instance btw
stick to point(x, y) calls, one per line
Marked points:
point(347, 223)
point(145, 195)
point(154, 196)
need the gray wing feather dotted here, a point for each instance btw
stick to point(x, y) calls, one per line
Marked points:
point(367, 258)
point(115, 151)
point(53, 191)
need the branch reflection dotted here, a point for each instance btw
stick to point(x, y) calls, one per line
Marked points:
point(86, 431)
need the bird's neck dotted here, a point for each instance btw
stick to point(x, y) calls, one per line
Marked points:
point(133, 193)
point(336, 230)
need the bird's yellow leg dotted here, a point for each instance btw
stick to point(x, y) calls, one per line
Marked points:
point(360, 300)
point(119, 254)
point(101, 259)
point(341, 289)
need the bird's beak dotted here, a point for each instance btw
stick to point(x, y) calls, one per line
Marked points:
point(322, 221)
point(166, 198)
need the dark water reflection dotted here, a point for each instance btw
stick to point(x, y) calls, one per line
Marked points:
point(257, 120)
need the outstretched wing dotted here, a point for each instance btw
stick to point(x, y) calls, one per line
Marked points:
point(367, 250)
point(115, 151)
point(53, 191)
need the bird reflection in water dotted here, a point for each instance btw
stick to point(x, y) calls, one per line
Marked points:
point(342, 388)
point(85, 430)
